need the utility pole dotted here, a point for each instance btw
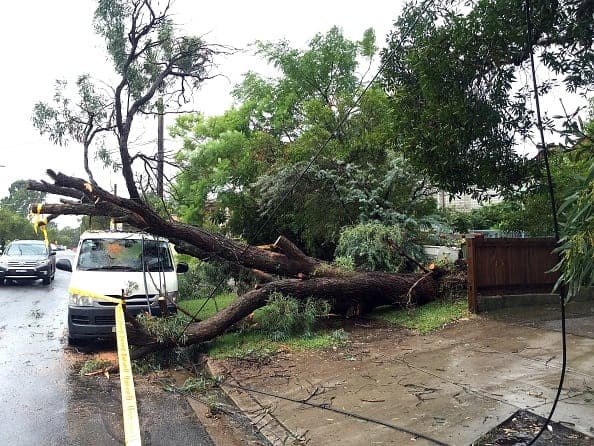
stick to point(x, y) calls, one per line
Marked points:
point(160, 150)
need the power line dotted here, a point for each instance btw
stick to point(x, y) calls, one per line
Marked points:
point(340, 411)
point(551, 190)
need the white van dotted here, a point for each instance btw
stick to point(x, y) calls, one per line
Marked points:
point(136, 266)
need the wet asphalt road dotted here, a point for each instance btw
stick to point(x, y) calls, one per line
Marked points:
point(43, 401)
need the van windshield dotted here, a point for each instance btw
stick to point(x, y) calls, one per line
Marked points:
point(124, 255)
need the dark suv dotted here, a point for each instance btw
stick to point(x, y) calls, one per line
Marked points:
point(27, 260)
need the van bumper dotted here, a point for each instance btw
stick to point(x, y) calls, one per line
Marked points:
point(94, 322)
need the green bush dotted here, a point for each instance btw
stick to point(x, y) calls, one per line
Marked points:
point(204, 278)
point(345, 262)
point(285, 316)
point(376, 247)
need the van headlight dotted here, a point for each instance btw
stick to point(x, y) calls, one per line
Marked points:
point(172, 296)
point(76, 300)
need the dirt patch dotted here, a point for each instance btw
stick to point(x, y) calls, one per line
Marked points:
point(522, 427)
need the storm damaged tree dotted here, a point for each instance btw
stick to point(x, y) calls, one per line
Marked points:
point(152, 62)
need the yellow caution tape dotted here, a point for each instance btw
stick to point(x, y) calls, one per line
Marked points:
point(129, 407)
point(95, 296)
point(44, 231)
point(130, 411)
point(40, 222)
point(37, 217)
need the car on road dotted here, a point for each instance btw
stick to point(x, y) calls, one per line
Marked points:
point(27, 260)
point(135, 266)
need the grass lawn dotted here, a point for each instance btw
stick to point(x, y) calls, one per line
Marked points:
point(425, 318)
point(251, 341)
point(204, 308)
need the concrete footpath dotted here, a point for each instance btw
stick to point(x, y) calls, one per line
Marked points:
point(452, 385)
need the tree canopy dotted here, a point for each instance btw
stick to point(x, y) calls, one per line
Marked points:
point(305, 149)
point(453, 71)
point(318, 149)
point(158, 70)
point(19, 198)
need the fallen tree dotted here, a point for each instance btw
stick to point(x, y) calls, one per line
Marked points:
point(287, 269)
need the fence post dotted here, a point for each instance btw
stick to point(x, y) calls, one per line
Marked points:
point(471, 274)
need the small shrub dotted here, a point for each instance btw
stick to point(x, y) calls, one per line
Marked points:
point(94, 365)
point(345, 262)
point(285, 316)
point(204, 278)
point(340, 336)
point(165, 328)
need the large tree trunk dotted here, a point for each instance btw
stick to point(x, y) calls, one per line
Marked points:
point(354, 294)
point(285, 268)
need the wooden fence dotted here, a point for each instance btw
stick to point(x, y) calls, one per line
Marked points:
point(500, 266)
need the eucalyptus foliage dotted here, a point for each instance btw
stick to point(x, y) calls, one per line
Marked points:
point(284, 316)
point(388, 194)
point(157, 70)
point(378, 247)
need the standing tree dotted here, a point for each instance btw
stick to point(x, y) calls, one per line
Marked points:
point(454, 73)
point(84, 122)
point(20, 198)
point(246, 166)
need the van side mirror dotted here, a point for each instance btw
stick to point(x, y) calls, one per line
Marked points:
point(64, 265)
point(182, 267)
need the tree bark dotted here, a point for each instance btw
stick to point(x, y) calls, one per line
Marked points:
point(353, 294)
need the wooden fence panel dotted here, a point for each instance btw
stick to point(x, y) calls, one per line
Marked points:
point(500, 266)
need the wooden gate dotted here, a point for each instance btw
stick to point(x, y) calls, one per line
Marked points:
point(500, 266)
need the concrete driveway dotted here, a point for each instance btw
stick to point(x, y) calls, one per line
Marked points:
point(452, 385)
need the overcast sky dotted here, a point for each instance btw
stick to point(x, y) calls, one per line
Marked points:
point(47, 40)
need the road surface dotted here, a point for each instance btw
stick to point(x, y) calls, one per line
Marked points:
point(43, 400)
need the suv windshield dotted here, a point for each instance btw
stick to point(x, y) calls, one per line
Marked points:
point(26, 249)
point(124, 255)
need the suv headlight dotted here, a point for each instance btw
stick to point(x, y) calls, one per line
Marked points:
point(4, 263)
point(76, 300)
point(43, 263)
